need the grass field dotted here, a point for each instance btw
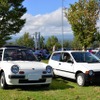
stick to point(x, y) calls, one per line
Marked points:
point(60, 89)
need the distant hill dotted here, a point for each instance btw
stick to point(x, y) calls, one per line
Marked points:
point(65, 37)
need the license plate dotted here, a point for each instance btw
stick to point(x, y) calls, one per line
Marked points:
point(33, 77)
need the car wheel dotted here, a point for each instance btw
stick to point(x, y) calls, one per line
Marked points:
point(3, 84)
point(81, 79)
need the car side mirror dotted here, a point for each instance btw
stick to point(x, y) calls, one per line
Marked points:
point(70, 61)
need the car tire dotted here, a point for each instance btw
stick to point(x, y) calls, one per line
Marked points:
point(3, 83)
point(81, 79)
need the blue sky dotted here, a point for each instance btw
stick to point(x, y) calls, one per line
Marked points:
point(35, 7)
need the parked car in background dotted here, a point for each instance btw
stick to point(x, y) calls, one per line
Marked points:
point(19, 66)
point(45, 54)
point(84, 67)
point(93, 51)
point(38, 54)
point(42, 53)
point(65, 49)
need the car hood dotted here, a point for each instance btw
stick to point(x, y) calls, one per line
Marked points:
point(28, 64)
point(92, 66)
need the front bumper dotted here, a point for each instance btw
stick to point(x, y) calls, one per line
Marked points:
point(23, 76)
point(23, 80)
point(93, 78)
point(16, 76)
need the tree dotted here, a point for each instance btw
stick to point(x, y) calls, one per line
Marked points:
point(67, 44)
point(11, 22)
point(83, 17)
point(25, 40)
point(42, 44)
point(97, 39)
point(76, 45)
point(52, 41)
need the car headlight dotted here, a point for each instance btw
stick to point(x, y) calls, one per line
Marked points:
point(15, 69)
point(48, 69)
point(91, 72)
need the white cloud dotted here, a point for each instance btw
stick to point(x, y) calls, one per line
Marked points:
point(47, 24)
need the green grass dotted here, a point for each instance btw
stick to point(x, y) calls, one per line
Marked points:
point(45, 61)
point(60, 89)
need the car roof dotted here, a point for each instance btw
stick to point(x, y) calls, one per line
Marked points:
point(69, 51)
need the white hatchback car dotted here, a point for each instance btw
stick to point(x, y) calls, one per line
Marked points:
point(19, 66)
point(84, 67)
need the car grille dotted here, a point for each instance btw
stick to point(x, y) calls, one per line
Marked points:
point(97, 74)
point(32, 81)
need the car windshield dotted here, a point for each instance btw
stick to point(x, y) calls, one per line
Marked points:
point(98, 54)
point(85, 57)
point(19, 54)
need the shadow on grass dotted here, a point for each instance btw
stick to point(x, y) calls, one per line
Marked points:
point(74, 81)
point(95, 84)
point(57, 84)
point(60, 83)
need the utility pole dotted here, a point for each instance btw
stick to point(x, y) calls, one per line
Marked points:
point(37, 40)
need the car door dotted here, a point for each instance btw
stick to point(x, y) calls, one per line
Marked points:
point(54, 62)
point(66, 66)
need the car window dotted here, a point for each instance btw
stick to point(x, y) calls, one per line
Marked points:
point(65, 57)
point(56, 56)
point(85, 57)
point(98, 54)
point(19, 54)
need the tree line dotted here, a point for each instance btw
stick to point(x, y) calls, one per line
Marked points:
point(52, 41)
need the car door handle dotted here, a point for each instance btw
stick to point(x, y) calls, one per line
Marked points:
point(59, 63)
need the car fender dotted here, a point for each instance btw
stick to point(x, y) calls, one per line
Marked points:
point(80, 67)
point(5, 66)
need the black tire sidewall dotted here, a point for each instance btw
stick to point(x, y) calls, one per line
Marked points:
point(2, 79)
